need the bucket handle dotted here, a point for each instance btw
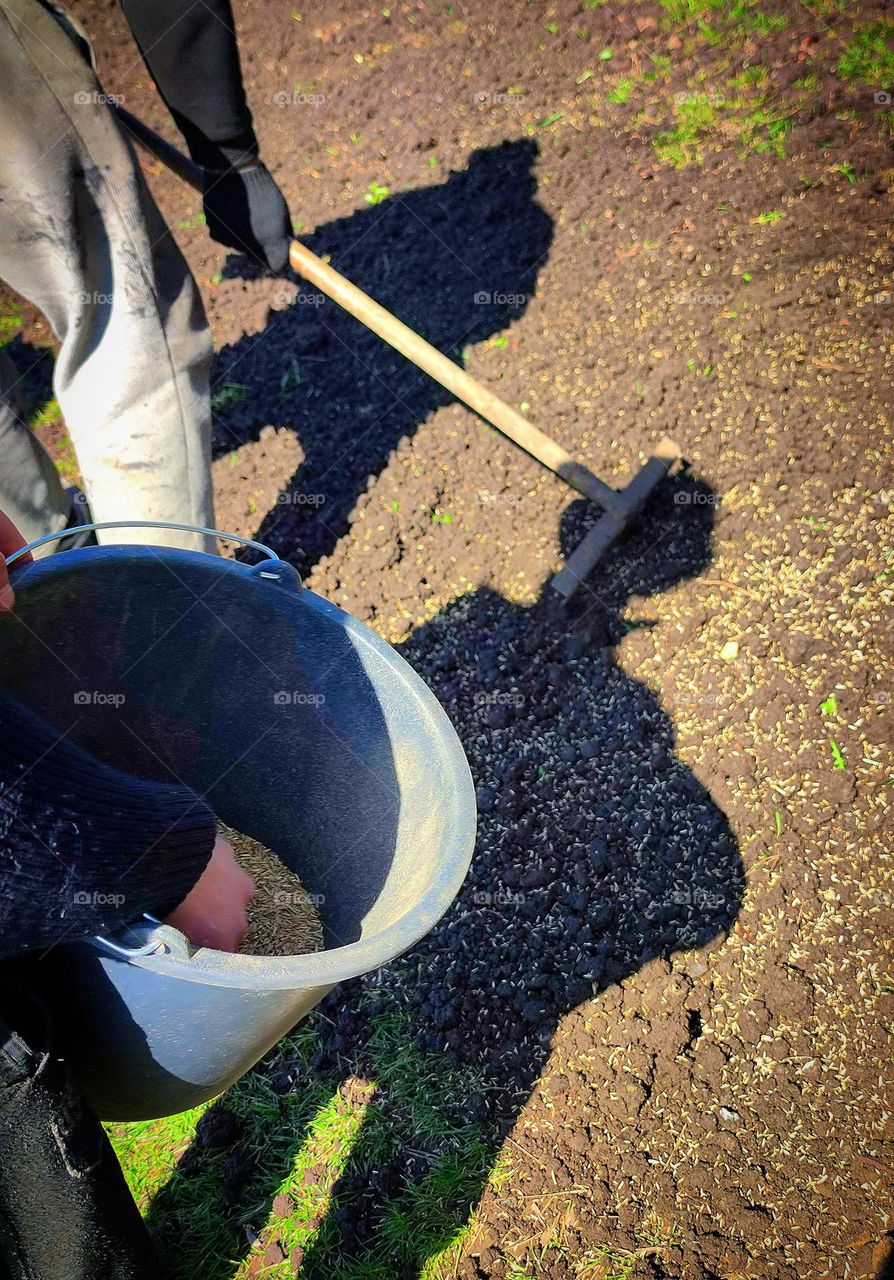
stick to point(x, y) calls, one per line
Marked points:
point(162, 936)
point(138, 524)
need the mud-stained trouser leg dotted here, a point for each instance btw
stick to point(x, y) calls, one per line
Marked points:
point(81, 237)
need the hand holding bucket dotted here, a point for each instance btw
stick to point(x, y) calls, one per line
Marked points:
point(302, 728)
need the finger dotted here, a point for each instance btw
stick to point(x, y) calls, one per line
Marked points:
point(10, 541)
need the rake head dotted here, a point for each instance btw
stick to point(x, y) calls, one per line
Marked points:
point(620, 507)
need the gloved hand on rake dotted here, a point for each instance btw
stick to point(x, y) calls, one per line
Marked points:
point(191, 53)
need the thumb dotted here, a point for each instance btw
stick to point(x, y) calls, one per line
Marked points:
point(10, 541)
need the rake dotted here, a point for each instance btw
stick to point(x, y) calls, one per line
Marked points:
point(619, 506)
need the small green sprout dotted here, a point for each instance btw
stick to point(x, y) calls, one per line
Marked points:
point(622, 90)
point(229, 394)
point(377, 193)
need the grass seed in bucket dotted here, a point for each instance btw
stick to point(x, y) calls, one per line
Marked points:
point(282, 920)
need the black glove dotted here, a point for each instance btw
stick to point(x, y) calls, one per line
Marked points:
point(246, 210)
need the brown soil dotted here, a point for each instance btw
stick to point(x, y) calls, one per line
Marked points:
point(672, 952)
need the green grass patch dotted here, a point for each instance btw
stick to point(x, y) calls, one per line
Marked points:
point(61, 447)
point(10, 324)
point(376, 193)
point(807, 83)
point(752, 77)
point(324, 1145)
point(740, 17)
point(190, 224)
point(47, 415)
point(622, 90)
point(607, 1263)
point(703, 120)
point(869, 55)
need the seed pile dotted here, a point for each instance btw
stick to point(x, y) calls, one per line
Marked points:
point(282, 921)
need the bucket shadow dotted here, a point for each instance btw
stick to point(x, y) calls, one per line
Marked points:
point(457, 262)
point(598, 852)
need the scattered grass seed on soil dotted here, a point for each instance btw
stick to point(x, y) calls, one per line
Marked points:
point(282, 921)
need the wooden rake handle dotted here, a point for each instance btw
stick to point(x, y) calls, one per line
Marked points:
point(409, 343)
point(466, 388)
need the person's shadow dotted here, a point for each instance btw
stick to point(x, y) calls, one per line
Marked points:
point(598, 851)
point(457, 262)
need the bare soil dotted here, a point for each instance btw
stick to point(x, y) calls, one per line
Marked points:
point(671, 955)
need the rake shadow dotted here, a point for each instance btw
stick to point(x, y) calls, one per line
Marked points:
point(457, 262)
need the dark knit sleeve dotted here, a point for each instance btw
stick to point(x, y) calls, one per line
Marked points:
point(85, 848)
point(191, 52)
